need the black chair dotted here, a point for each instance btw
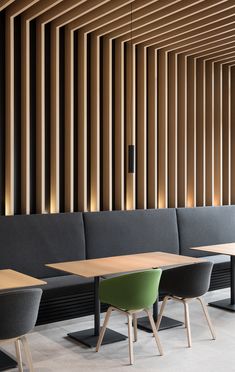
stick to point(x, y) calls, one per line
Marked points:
point(18, 315)
point(184, 284)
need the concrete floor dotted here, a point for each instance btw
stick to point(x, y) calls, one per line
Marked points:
point(52, 351)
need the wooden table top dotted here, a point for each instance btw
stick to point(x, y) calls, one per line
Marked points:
point(10, 279)
point(120, 264)
point(228, 248)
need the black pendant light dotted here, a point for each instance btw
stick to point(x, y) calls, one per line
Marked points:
point(131, 147)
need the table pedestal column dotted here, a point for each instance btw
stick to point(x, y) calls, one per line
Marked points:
point(228, 303)
point(89, 337)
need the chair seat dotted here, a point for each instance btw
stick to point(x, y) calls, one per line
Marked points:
point(65, 285)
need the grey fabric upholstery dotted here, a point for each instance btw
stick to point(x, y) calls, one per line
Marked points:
point(188, 281)
point(18, 312)
point(218, 259)
point(27, 243)
point(126, 232)
point(205, 226)
point(65, 285)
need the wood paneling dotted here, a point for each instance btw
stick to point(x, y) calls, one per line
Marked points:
point(182, 131)
point(191, 132)
point(141, 111)
point(164, 83)
point(173, 129)
point(232, 99)
point(130, 120)
point(152, 128)
point(200, 132)
point(162, 129)
point(218, 134)
point(119, 125)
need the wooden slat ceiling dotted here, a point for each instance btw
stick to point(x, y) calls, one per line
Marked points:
point(171, 25)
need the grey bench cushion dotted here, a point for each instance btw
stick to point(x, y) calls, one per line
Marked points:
point(218, 258)
point(205, 226)
point(27, 243)
point(65, 285)
point(126, 232)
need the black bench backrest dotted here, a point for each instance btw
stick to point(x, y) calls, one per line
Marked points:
point(27, 243)
point(205, 226)
point(125, 232)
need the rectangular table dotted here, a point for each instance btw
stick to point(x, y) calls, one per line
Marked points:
point(227, 249)
point(96, 268)
point(11, 279)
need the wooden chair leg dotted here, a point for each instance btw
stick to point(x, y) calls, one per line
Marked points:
point(155, 333)
point(18, 355)
point(27, 353)
point(201, 300)
point(161, 312)
point(187, 322)
point(103, 329)
point(130, 335)
point(135, 327)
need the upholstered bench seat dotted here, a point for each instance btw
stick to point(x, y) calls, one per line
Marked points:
point(65, 297)
point(219, 259)
point(65, 285)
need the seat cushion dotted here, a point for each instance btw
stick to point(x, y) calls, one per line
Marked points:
point(127, 232)
point(65, 285)
point(218, 258)
point(205, 226)
point(27, 243)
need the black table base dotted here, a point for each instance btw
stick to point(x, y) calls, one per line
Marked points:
point(228, 303)
point(6, 362)
point(223, 304)
point(166, 323)
point(88, 338)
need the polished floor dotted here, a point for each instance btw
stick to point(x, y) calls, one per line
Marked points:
point(53, 351)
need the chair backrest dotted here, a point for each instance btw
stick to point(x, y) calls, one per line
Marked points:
point(18, 312)
point(131, 291)
point(188, 281)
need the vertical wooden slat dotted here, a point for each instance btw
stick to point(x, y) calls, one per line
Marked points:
point(200, 133)
point(82, 122)
point(173, 130)
point(191, 132)
point(182, 131)
point(218, 134)
point(163, 129)
point(152, 128)
point(107, 124)
point(55, 121)
point(40, 118)
point(232, 100)
point(69, 120)
point(25, 117)
point(226, 128)
point(95, 124)
point(119, 125)
point(209, 133)
point(5, 3)
point(141, 127)
point(130, 120)
point(9, 164)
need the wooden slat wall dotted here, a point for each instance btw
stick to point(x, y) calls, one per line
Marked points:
point(71, 113)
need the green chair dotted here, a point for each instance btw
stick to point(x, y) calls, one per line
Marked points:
point(130, 294)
